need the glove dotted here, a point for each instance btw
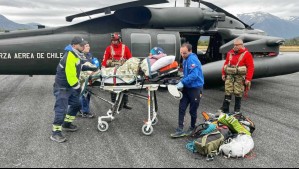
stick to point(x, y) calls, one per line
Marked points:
point(180, 85)
point(96, 62)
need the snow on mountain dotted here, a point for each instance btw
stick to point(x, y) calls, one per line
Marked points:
point(273, 25)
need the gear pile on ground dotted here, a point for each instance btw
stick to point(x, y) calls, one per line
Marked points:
point(229, 135)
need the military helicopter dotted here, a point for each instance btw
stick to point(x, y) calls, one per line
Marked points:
point(37, 52)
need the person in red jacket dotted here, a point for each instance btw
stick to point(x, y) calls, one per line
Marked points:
point(117, 51)
point(116, 54)
point(237, 70)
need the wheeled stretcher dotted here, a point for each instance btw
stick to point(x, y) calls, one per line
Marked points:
point(116, 84)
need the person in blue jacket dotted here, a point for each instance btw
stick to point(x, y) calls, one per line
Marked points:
point(192, 87)
point(85, 98)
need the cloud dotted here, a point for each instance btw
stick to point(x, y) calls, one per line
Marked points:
point(53, 12)
point(50, 13)
point(280, 8)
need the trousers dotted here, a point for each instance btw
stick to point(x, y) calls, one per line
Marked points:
point(191, 96)
point(85, 100)
point(67, 103)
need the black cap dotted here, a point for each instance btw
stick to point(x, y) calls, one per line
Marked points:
point(78, 40)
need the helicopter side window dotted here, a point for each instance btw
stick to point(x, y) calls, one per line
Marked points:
point(168, 43)
point(140, 44)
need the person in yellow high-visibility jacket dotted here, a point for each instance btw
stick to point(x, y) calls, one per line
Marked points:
point(67, 89)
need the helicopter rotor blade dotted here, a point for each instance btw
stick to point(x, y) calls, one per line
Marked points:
point(108, 9)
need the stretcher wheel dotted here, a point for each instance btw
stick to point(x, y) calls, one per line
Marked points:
point(155, 121)
point(103, 126)
point(147, 132)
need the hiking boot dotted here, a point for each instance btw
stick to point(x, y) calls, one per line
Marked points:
point(58, 137)
point(66, 126)
point(178, 133)
point(126, 106)
point(226, 103)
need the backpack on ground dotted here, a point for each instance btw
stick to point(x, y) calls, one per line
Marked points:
point(238, 146)
point(208, 145)
point(202, 129)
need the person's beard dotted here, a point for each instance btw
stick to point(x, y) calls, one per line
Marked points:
point(236, 50)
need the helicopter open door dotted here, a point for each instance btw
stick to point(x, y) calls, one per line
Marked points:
point(212, 53)
point(141, 41)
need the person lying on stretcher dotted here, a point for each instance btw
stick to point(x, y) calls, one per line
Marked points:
point(130, 70)
point(156, 60)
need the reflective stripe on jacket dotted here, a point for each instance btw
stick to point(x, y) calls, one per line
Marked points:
point(68, 70)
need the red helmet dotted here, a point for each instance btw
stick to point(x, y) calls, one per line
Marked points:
point(115, 36)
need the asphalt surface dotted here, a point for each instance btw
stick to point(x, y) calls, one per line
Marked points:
point(27, 116)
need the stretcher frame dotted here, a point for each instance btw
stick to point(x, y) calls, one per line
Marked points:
point(124, 88)
point(120, 90)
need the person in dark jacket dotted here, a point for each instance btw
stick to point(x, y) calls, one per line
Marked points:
point(67, 89)
point(192, 86)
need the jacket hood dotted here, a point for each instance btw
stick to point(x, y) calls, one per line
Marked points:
point(68, 48)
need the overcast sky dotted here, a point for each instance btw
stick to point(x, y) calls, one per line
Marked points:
point(53, 12)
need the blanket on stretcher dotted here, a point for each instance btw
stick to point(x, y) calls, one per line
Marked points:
point(127, 73)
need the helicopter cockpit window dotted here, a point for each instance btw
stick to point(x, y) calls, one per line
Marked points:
point(168, 43)
point(202, 47)
point(203, 44)
point(140, 44)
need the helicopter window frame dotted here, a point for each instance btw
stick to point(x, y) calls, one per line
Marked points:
point(163, 39)
point(140, 44)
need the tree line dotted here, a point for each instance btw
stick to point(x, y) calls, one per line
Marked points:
point(292, 42)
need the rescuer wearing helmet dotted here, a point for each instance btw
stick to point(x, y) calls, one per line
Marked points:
point(115, 55)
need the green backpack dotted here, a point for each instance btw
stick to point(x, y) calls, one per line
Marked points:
point(208, 145)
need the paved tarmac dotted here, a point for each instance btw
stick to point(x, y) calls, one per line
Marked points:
point(27, 116)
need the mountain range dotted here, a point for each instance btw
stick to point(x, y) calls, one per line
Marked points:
point(287, 28)
point(274, 26)
point(6, 24)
